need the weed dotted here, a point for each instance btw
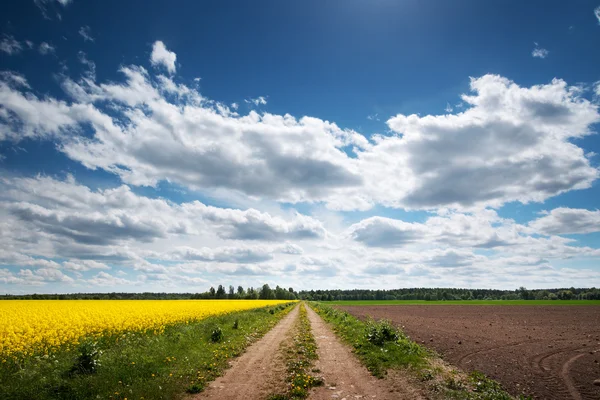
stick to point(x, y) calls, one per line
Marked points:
point(236, 324)
point(196, 388)
point(216, 335)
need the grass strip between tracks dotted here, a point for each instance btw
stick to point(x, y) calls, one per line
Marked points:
point(300, 356)
point(139, 365)
point(381, 346)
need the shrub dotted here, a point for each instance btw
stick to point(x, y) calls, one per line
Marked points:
point(87, 360)
point(381, 332)
point(216, 335)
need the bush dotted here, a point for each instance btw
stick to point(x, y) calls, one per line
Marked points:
point(381, 332)
point(236, 324)
point(87, 361)
point(216, 335)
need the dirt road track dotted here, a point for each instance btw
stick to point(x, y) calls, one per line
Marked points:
point(344, 376)
point(258, 372)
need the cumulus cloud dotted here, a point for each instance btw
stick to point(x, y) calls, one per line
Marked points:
point(505, 143)
point(162, 57)
point(565, 220)
point(597, 13)
point(480, 230)
point(252, 224)
point(83, 265)
point(510, 143)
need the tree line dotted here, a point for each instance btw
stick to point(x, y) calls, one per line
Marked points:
point(265, 292)
point(435, 294)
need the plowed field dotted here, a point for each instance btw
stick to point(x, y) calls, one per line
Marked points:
point(549, 352)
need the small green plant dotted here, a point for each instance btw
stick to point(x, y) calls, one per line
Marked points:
point(216, 335)
point(196, 388)
point(87, 360)
point(271, 311)
point(236, 324)
point(426, 375)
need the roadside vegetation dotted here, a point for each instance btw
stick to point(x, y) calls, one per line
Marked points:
point(140, 365)
point(300, 355)
point(380, 346)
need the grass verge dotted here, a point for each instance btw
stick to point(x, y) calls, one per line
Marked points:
point(381, 346)
point(140, 365)
point(300, 355)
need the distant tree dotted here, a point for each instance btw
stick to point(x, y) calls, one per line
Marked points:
point(266, 293)
point(251, 294)
point(211, 292)
point(221, 292)
point(240, 292)
point(231, 292)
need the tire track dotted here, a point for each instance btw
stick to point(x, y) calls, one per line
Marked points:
point(256, 373)
point(343, 374)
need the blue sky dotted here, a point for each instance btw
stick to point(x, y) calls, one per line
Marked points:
point(161, 146)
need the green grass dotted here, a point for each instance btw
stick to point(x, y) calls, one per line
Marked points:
point(466, 302)
point(139, 365)
point(380, 346)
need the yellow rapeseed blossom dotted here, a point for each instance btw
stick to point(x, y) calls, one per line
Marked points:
point(28, 326)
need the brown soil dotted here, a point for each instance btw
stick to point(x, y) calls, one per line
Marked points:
point(258, 372)
point(548, 352)
point(345, 378)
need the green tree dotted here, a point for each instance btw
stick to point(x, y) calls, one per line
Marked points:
point(221, 292)
point(266, 293)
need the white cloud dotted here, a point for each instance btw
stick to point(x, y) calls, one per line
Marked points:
point(597, 13)
point(163, 57)
point(510, 144)
point(44, 5)
point(86, 33)
point(260, 100)
point(505, 143)
point(14, 79)
point(481, 230)
point(83, 265)
point(565, 220)
point(10, 46)
point(46, 48)
point(539, 52)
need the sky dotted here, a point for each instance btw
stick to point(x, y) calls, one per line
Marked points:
point(173, 146)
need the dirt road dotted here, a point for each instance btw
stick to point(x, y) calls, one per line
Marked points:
point(345, 377)
point(258, 372)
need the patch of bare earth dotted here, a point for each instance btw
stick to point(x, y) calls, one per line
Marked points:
point(344, 376)
point(549, 352)
point(258, 372)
